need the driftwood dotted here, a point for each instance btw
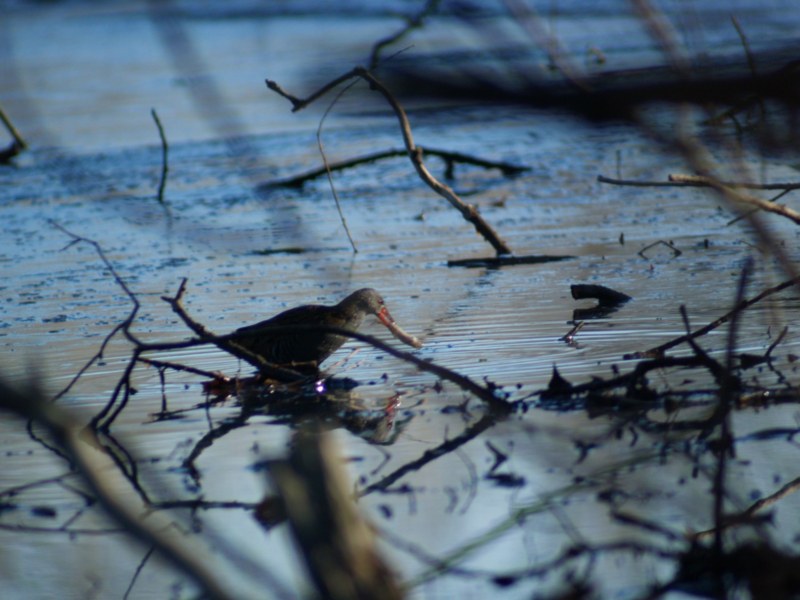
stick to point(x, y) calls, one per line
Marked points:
point(610, 95)
point(495, 262)
point(605, 296)
point(608, 301)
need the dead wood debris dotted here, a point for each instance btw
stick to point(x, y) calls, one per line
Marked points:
point(468, 212)
point(605, 296)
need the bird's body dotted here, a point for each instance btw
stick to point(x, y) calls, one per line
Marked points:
point(289, 338)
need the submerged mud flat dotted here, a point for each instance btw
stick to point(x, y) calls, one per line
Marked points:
point(606, 488)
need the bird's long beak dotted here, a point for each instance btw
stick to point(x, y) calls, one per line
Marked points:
point(385, 317)
point(397, 331)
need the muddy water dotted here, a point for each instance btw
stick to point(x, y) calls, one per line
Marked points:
point(459, 524)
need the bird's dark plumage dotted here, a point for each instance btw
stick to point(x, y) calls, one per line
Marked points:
point(304, 345)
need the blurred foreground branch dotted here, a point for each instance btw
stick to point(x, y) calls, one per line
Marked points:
point(338, 546)
point(80, 445)
point(733, 189)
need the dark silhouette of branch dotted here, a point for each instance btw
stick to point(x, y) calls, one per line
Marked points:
point(79, 443)
point(743, 305)
point(450, 158)
point(164, 152)
point(414, 22)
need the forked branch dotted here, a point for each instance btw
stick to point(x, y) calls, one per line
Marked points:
point(468, 211)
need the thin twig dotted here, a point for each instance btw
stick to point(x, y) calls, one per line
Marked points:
point(123, 326)
point(751, 63)
point(138, 571)
point(743, 305)
point(18, 139)
point(790, 488)
point(681, 180)
point(670, 245)
point(450, 445)
point(737, 197)
point(468, 211)
point(450, 158)
point(719, 373)
point(747, 214)
point(164, 151)
point(327, 166)
point(748, 516)
point(161, 364)
point(414, 22)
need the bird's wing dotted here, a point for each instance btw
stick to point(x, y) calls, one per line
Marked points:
point(300, 315)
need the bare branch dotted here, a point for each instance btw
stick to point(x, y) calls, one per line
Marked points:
point(743, 305)
point(80, 443)
point(164, 151)
point(468, 212)
point(450, 158)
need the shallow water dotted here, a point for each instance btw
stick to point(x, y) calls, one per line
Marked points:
point(93, 170)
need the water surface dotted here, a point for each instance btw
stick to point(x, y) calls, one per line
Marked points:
point(457, 525)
